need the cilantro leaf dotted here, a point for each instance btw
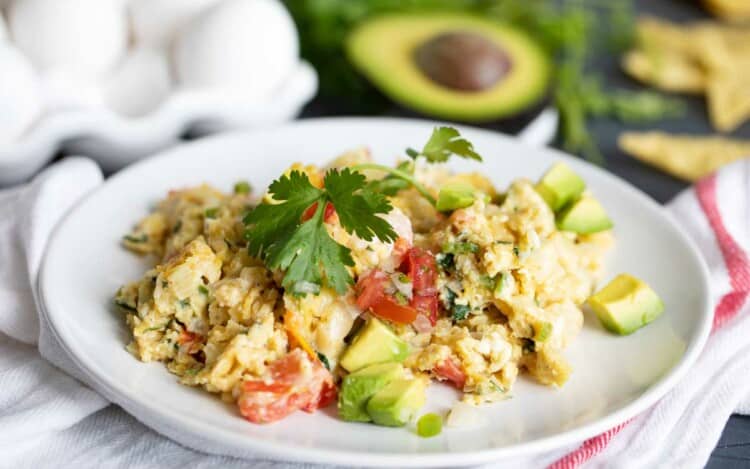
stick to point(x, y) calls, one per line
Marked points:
point(288, 238)
point(444, 142)
point(296, 194)
point(358, 207)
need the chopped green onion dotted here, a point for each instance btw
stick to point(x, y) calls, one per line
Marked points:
point(243, 187)
point(400, 298)
point(429, 425)
point(543, 333)
point(203, 290)
point(461, 248)
point(125, 306)
point(502, 284)
point(212, 212)
point(139, 239)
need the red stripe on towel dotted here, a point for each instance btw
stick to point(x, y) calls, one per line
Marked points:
point(735, 258)
point(588, 449)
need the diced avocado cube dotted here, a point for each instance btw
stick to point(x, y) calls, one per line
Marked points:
point(559, 186)
point(375, 343)
point(397, 403)
point(626, 304)
point(585, 215)
point(455, 195)
point(358, 387)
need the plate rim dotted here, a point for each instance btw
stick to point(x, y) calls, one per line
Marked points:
point(247, 446)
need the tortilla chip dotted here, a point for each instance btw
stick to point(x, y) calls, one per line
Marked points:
point(683, 156)
point(729, 10)
point(704, 58)
point(668, 72)
point(728, 97)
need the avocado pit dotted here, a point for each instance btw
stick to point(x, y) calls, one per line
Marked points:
point(463, 61)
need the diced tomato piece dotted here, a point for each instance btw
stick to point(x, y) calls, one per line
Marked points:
point(370, 288)
point(329, 216)
point(451, 371)
point(324, 396)
point(426, 305)
point(330, 213)
point(421, 268)
point(293, 382)
point(371, 295)
point(388, 308)
point(400, 248)
point(190, 340)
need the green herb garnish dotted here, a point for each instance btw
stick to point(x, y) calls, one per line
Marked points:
point(324, 360)
point(502, 282)
point(443, 143)
point(242, 187)
point(461, 248)
point(125, 306)
point(303, 249)
point(136, 239)
point(203, 290)
point(446, 260)
point(543, 333)
point(458, 312)
point(212, 212)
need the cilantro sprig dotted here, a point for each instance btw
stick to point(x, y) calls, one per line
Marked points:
point(281, 233)
point(443, 143)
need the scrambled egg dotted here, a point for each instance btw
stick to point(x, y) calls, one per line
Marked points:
point(510, 286)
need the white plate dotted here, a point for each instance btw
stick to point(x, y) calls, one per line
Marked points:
point(614, 378)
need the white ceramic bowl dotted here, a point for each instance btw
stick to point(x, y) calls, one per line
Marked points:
point(614, 378)
point(116, 141)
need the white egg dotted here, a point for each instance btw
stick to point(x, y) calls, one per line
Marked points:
point(20, 104)
point(139, 84)
point(3, 28)
point(156, 22)
point(247, 45)
point(66, 89)
point(86, 36)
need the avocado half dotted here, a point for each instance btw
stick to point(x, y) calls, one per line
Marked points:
point(406, 55)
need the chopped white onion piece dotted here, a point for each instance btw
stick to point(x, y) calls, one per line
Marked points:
point(422, 324)
point(404, 287)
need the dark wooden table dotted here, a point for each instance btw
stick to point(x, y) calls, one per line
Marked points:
point(733, 450)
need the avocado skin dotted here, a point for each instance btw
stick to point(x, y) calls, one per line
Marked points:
point(397, 403)
point(375, 343)
point(626, 304)
point(560, 186)
point(584, 216)
point(357, 388)
point(383, 49)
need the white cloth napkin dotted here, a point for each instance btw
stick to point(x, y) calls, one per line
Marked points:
point(48, 418)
